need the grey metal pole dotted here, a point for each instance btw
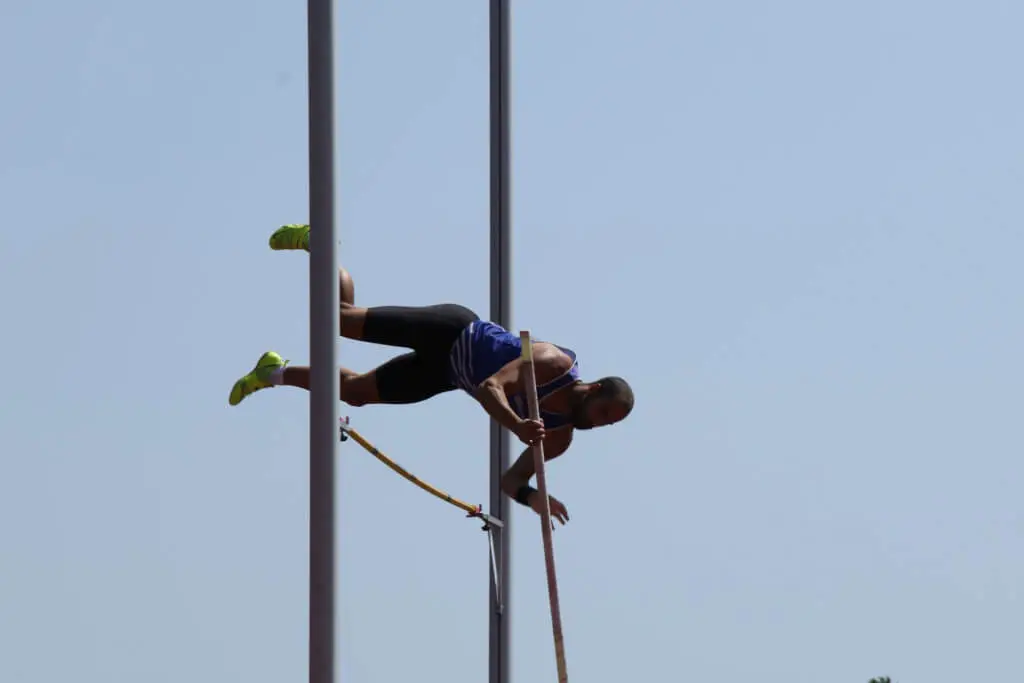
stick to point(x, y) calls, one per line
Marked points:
point(323, 331)
point(501, 313)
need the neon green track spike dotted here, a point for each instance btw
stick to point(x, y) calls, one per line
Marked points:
point(257, 378)
point(292, 236)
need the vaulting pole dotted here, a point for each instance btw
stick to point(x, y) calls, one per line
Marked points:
point(501, 313)
point(542, 488)
point(323, 333)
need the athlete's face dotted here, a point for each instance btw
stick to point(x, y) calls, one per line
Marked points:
point(598, 411)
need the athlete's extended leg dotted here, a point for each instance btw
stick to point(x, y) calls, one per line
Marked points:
point(271, 370)
point(354, 389)
point(409, 378)
point(413, 327)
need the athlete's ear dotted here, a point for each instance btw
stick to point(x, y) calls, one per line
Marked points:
point(594, 388)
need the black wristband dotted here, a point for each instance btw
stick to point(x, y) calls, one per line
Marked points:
point(523, 494)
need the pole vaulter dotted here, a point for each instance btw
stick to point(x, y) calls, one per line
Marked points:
point(531, 388)
point(448, 348)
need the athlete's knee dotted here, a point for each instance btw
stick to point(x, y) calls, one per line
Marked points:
point(346, 288)
point(359, 390)
point(355, 400)
point(351, 321)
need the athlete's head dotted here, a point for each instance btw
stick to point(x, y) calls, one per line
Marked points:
point(607, 401)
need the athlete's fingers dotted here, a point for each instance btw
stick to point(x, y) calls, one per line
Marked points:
point(559, 512)
point(536, 432)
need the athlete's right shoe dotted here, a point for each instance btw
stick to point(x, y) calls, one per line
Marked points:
point(293, 236)
point(257, 378)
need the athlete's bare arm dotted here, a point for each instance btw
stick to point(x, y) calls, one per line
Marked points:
point(494, 391)
point(522, 470)
point(549, 362)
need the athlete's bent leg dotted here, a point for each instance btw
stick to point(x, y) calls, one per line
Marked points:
point(413, 327)
point(295, 236)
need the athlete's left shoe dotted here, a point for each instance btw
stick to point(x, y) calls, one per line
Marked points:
point(288, 237)
point(257, 378)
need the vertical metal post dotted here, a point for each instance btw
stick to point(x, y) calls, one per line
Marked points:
point(501, 313)
point(323, 333)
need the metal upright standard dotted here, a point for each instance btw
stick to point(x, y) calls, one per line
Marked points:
point(323, 332)
point(501, 313)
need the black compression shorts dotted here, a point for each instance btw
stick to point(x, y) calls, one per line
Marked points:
point(430, 332)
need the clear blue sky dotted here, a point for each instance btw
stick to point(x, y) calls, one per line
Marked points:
point(794, 226)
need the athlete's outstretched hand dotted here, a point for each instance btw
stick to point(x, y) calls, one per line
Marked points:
point(558, 511)
point(530, 431)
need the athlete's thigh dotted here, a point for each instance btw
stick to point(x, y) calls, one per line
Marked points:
point(412, 377)
point(420, 328)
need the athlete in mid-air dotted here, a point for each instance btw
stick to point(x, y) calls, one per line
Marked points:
point(453, 349)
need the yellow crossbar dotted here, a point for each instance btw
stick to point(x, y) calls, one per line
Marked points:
point(471, 510)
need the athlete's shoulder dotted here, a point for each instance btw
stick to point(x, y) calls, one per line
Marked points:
point(553, 358)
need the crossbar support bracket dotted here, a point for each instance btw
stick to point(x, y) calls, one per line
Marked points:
point(490, 521)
